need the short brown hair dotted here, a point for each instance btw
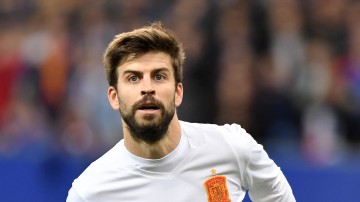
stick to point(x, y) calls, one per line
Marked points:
point(129, 45)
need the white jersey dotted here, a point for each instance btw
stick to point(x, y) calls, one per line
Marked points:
point(211, 163)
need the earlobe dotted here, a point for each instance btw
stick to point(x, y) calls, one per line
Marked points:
point(113, 98)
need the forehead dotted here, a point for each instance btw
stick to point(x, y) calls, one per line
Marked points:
point(147, 62)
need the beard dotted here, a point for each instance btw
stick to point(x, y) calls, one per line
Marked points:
point(152, 128)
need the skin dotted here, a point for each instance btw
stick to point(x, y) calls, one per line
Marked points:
point(151, 73)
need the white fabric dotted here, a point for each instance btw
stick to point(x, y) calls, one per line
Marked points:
point(180, 176)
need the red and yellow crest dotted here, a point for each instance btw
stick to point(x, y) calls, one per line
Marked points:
point(216, 189)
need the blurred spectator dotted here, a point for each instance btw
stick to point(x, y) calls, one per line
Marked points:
point(234, 91)
point(10, 67)
point(346, 84)
point(321, 135)
point(193, 23)
point(326, 19)
point(275, 116)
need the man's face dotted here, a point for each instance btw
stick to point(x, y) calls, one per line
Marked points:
point(146, 95)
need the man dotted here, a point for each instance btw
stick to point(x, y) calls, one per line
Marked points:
point(162, 158)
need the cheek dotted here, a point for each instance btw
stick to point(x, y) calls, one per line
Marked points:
point(170, 94)
point(175, 99)
point(125, 100)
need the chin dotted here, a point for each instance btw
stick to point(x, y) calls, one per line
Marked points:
point(148, 120)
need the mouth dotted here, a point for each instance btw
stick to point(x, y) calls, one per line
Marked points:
point(148, 107)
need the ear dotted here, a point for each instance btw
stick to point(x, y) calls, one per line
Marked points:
point(113, 98)
point(179, 91)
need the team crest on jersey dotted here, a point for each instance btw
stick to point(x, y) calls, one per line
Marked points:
point(216, 189)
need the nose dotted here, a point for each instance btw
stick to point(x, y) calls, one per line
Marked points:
point(147, 86)
point(148, 92)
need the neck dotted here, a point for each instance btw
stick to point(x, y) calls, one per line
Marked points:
point(156, 150)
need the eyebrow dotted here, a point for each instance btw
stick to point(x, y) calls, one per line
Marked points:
point(139, 72)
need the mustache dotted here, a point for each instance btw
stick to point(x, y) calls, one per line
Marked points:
point(148, 100)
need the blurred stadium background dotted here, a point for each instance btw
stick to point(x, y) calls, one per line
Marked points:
point(288, 71)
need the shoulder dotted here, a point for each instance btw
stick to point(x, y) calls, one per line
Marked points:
point(100, 172)
point(233, 134)
point(206, 127)
point(224, 131)
point(106, 161)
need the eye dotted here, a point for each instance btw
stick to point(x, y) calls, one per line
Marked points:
point(159, 77)
point(133, 78)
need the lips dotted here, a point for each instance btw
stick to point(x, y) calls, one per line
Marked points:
point(148, 106)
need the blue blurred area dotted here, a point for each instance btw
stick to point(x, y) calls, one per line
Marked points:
point(337, 182)
point(287, 71)
point(30, 181)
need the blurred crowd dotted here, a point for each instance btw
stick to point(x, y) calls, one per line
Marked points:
point(288, 71)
